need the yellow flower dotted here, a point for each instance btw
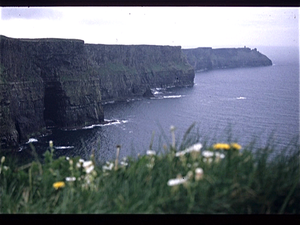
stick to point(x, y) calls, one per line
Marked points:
point(221, 146)
point(59, 184)
point(236, 146)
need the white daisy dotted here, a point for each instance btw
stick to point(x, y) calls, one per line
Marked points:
point(207, 154)
point(151, 152)
point(194, 148)
point(70, 179)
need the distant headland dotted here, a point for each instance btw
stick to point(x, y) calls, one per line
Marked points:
point(207, 58)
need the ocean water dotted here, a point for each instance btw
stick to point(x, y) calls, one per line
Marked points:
point(244, 104)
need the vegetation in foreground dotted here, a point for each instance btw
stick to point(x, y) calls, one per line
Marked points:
point(190, 178)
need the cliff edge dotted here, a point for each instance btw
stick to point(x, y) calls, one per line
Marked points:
point(207, 58)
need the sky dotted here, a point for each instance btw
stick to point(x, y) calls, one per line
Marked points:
point(188, 27)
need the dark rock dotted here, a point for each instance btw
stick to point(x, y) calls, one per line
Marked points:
point(148, 93)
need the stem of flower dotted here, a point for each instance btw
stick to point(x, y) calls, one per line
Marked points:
point(117, 157)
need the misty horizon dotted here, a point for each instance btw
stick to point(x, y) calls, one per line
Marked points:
point(188, 27)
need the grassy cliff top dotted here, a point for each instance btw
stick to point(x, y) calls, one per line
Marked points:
point(186, 178)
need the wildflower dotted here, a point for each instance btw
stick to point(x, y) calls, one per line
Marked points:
point(209, 160)
point(198, 174)
point(89, 169)
point(70, 179)
point(219, 155)
point(4, 167)
point(59, 184)
point(151, 164)
point(236, 146)
point(51, 144)
point(194, 148)
point(88, 166)
point(172, 128)
point(207, 154)
point(151, 152)
point(221, 146)
point(124, 163)
point(177, 181)
point(108, 166)
point(180, 179)
point(67, 158)
point(2, 159)
point(79, 164)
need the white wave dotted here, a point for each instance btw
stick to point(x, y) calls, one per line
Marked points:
point(159, 89)
point(157, 97)
point(31, 140)
point(90, 127)
point(241, 98)
point(108, 123)
point(63, 147)
point(171, 86)
point(133, 99)
point(173, 96)
point(108, 102)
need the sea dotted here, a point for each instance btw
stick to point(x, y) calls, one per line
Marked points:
point(258, 105)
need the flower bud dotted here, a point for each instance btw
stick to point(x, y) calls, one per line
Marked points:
point(198, 174)
point(51, 144)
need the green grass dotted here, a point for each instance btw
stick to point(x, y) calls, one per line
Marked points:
point(244, 181)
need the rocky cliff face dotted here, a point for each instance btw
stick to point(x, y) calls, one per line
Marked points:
point(208, 58)
point(131, 70)
point(62, 82)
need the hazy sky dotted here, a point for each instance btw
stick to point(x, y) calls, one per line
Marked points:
point(184, 26)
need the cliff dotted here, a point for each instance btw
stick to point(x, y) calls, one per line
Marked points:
point(63, 82)
point(131, 70)
point(207, 58)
